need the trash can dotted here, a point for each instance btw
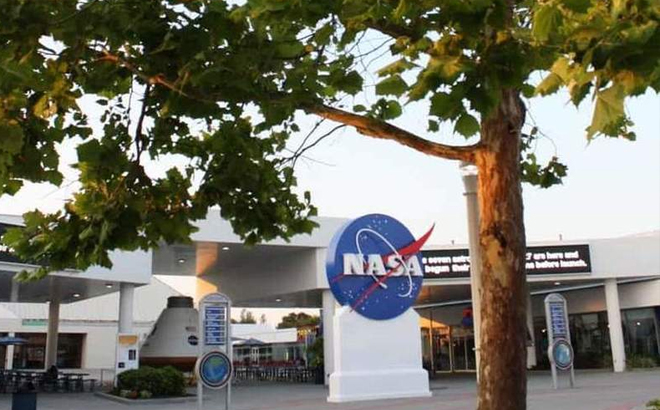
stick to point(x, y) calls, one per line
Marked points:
point(319, 375)
point(24, 398)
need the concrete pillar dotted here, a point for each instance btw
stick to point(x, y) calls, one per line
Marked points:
point(470, 182)
point(616, 328)
point(531, 347)
point(126, 291)
point(328, 312)
point(9, 351)
point(53, 330)
point(9, 354)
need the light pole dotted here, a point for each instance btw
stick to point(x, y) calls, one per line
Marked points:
point(470, 179)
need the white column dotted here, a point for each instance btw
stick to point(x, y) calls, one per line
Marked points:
point(531, 350)
point(53, 330)
point(616, 328)
point(329, 305)
point(470, 182)
point(126, 291)
point(9, 354)
point(9, 351)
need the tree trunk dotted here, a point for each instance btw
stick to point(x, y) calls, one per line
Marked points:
point(503, 381)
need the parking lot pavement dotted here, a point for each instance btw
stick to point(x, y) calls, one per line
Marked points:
point(599, 390)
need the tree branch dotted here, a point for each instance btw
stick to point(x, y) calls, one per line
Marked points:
point(394, 30)
point(374, 128)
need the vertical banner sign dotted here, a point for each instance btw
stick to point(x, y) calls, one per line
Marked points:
point(560, 351)
point(214, 368)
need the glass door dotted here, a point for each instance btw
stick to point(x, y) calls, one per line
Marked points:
point(440, 343)
point(463, 349)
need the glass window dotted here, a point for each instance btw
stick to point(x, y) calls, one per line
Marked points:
point(69, 350)
point(641, 333)
point(32, 355)
point(590, 340)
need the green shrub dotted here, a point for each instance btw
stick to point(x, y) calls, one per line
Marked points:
point(159, 382)
point(640, 362)
point(653, 405)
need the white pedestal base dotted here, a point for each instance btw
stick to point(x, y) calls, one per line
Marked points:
point(377, 359)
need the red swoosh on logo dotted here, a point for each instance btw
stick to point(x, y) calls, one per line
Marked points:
point(411, 249)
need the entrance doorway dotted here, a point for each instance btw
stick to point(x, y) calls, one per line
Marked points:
point(463, 349)
point(447, 348)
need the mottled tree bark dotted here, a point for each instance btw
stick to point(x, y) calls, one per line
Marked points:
point(503, 382)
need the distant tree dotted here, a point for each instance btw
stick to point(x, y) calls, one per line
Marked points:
point(296, 320)
point(233, 321)
point(263, 319)
point(247, 317)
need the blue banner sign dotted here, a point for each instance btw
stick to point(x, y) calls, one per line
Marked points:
point(558, 320)
point(215, 332)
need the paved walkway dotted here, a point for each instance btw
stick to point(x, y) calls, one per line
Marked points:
point(595, 391)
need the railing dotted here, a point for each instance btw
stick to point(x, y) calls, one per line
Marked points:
point(17, 380)
point(277, 374)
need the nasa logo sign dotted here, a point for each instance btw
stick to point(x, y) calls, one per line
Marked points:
point(214, 370)
point(374, 265)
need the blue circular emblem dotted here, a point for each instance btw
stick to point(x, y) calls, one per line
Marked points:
point(562, 354)
point(374, 265)
point(214, 370)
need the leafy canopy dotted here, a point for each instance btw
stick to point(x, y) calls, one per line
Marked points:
point(219, 84)
point(300, 319)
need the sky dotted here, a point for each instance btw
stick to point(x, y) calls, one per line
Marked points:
point(612, 188)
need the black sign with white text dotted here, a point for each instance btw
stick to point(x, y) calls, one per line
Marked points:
point(539, 260)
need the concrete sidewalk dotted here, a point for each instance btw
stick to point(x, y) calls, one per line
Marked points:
point(594, 391)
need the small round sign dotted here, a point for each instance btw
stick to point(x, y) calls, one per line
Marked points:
point(561, 354)
point(214, 370)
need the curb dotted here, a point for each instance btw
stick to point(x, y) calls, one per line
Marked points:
point(123, 400)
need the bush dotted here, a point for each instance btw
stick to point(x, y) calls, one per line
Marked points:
point(159, 382)
point(640, 362)
point(653, 405)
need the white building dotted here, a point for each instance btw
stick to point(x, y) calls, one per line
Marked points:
point(87, 328)
point(612, 287)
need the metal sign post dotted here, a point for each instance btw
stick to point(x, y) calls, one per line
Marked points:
point(560, 351)
point(214, 368)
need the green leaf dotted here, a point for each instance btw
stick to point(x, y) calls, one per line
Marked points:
point(11, 137)
point(578, 6)
point(391, 110)
point(359, 108)
point(608, 112)
point(396, 67)
point(527, 90)
point(90, 151)
point(466, 125)
point(393, 85)
point(549, 85)
point(433, 126)
point(546, 21)
point(444, 106)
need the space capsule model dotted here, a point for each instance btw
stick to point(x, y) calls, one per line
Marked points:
point(173, 339)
